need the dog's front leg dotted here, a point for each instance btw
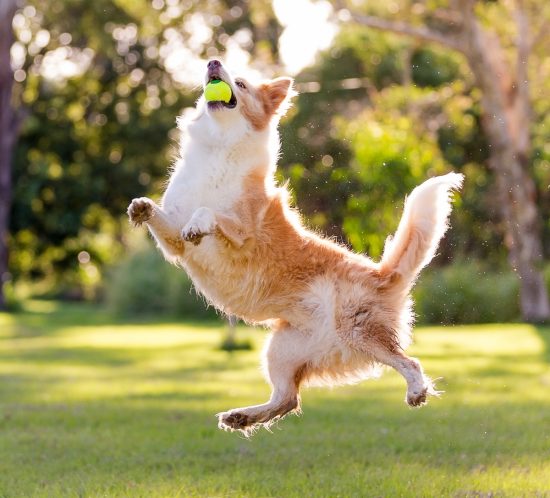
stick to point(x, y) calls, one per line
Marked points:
point(202, 223)
point(206, 222)
point(144, 210)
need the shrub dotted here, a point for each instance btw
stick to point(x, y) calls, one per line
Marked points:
point(144, 283)
point(463, 292)
point(467, 292)
point(12, 300)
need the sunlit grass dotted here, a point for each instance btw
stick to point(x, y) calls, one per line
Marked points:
point(95, 406)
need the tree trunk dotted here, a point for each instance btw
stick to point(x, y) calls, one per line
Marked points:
point(505, 120)
point(7, 136)
point(518, 208)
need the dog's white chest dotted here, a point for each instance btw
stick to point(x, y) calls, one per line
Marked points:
point(211, 182)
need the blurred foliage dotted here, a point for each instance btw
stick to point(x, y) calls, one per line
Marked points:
point(353, 154)
point(467, 292)
point(89, 142)
point(143, 283)
point(462, 292)
point(391, 155)
point(377, 114)
point(99, 90)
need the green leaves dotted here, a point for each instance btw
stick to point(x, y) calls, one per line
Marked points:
point(393, 152)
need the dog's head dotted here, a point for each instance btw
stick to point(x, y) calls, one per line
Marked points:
point(250, 108)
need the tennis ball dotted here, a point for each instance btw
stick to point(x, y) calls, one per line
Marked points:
point(218, 91)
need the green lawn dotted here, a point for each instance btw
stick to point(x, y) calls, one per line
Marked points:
point(92, 406)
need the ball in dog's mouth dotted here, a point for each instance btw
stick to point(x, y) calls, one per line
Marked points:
point(219, 94)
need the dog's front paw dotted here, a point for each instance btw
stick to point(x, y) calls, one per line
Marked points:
point(203, 222)
point(140, 210)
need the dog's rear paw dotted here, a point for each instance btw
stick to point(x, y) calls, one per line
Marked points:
point(140, 210)
point(237, 421)
point(233, 420)
point(419, 397)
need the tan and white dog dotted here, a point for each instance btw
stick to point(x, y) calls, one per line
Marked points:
point(336, 317)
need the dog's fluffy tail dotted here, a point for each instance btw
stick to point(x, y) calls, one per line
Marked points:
point(422, 226)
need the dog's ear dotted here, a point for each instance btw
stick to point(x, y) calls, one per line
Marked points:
point(278, 93)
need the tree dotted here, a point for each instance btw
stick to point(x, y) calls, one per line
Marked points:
point(97, 137)
point(91, 139)
point(7, 136)
point(388, 116)
point(506, 120)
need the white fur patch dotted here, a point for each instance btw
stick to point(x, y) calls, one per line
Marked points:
point(202, 221)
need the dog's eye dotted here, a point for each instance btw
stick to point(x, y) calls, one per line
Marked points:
point(240, 84)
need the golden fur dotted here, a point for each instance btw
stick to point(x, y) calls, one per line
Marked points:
point(335, 316)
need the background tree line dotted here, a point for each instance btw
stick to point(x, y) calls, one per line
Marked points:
point(407, 90)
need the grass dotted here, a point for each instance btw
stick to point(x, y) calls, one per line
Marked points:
point(91, 406)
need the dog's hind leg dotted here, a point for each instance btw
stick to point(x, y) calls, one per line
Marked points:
point(419, 386)
point(286, 366)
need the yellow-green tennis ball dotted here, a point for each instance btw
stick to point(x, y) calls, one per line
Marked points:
point(217, 91)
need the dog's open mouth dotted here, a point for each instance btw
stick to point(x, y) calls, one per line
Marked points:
point(220, 104)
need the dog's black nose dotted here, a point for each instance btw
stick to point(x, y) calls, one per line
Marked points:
point(214, 64)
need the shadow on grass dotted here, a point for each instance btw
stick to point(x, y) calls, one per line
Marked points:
point(348, 447)
point(154, 434)
point(39, 318)
point(81, 356)
point(106, 361)
point(101, 356)
point(544, 334)
point(361, 442)
point(28, 390)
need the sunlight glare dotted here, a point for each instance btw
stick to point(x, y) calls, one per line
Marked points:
point(307, 30)
point(64, 63)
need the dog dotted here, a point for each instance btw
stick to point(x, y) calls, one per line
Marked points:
point(335, 316)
